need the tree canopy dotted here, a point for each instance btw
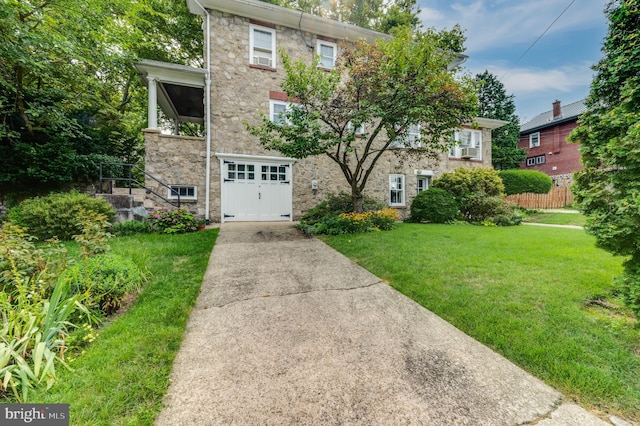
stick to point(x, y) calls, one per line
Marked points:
point(370, 100)
point(69, 95)
point(495, 103)
point(608, 188)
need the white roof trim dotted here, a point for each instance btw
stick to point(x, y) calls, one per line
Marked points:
point(286, 17)
point(247, 157)
point(487, 123)
point(172, 73)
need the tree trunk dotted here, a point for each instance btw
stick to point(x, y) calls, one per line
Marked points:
point(356, 196)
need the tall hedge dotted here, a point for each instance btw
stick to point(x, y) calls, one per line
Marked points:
point(517, 181)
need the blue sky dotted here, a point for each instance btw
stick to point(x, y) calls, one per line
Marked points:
point(500, 31)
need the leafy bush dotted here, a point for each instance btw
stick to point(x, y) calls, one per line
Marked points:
point(337, 204)
point(131, 227)
point(462, 182)
point(478, 192)
point(434, 205)
point(21, 259)
point(522, 181)
point(56, 215)
point(177, 221)
point(351, 223)
point(94, 237)
point(107, 279)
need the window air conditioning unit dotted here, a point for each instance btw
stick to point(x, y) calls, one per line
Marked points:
point(468, 152)
point(262, 60)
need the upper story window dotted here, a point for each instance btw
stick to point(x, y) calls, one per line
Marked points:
point(327, 51)
point(469, 144)
point(534, 140)
point(277, 110)
point(410, 140)
point(359, 131)
point(262, 46)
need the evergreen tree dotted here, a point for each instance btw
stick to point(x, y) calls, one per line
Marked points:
point(495, 103)
point(608, 188)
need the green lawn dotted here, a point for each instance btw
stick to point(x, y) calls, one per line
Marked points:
point(557, 218)
point(542, 297)
point(124, 374)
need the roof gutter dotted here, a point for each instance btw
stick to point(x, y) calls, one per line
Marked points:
point(207, 112)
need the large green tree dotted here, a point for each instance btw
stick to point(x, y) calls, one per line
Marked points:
point(355, 113)
point(495, 103)
point(69, 95)
point(608, 188)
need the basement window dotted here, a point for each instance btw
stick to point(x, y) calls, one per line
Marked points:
point(185, 192)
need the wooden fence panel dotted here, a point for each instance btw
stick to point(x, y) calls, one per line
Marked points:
point(556, 198)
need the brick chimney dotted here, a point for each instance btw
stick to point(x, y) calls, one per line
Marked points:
point(556, 110)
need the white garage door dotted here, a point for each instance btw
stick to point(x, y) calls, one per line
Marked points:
point(256, 190)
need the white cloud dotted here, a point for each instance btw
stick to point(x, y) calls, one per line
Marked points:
point(489, 24)
point(524, 81)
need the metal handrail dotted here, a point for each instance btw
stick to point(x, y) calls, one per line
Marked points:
point(131, 180)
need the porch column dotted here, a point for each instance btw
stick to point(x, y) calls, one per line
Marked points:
point(152, 117)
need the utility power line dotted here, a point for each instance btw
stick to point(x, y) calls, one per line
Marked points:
point(539, 37)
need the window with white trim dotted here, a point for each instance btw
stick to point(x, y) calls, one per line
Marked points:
point(410, 140)
point(186, 192)
point(469, 144)
point(358, 130)
point(534, 140)
point(396, 190)
point(277, 110)
point(422, 184)
point(327, 52)
point(262, 46)
point(538, 159)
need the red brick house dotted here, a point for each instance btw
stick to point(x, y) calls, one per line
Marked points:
point(545, 140)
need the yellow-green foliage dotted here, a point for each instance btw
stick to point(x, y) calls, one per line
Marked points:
point(56, 215)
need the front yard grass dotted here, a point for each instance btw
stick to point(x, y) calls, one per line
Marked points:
point(557, 218)
point(542, 297)
point(124, 374)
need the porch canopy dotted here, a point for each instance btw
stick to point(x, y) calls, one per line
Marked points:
point(178, 89)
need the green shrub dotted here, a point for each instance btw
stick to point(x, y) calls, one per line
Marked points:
point(351, 223)
point(478, 192)
point(131, 227)
point(434, 205)
point(522, 181)
point(56, 215)
point(107, 279)
point(94, 237)
point(21, 259)
point(337, 204)
point(463, 182)
point(176, 221)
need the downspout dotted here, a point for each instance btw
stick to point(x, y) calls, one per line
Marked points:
point(207, 109)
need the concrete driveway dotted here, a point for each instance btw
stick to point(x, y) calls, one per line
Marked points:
point(288, 331)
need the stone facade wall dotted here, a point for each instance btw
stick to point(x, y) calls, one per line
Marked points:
point(564, 181)
point(175, 160)
point(240, 92)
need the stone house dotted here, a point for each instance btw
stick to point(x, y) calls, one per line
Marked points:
point(544, 138)
point(227, 175)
